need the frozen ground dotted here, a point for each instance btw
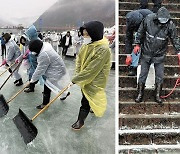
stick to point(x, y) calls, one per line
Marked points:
point(55, 135)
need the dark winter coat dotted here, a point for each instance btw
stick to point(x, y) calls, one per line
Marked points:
point(133, 21)
point(64, 41)
point(155, 38)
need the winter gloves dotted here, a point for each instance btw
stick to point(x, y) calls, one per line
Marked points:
point(128, 60)
point(26, 54)
point(17, 61)
point(136, 49)
point(4, 62)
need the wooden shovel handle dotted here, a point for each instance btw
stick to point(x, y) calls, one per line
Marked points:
point(7, 69)
point(10, 75)
point(17, 93)
point(62, 91)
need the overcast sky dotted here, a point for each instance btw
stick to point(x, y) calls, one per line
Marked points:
point(23, 8)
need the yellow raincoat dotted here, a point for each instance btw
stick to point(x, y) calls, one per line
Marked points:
point(92, 71)
point(21, 47)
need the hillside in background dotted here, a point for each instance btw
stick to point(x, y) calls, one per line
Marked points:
point(66, 14)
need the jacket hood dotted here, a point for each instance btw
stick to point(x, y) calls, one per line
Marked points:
point(163, 15)
point(95, 30)
point(31, 33)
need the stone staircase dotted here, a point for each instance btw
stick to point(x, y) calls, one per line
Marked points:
point(148, 127)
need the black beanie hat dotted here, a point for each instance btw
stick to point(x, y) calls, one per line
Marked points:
point(95, 30)
point(35, 46)
point(7, 37)
point(23, 38)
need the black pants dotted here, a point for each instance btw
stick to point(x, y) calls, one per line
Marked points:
point(65, 48)
point(157, 4)
point(46, 95)
point(159, 72)
point(3, 48)
point(85, 104)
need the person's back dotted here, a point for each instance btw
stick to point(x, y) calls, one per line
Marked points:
point(133, 21)
point(13, 50)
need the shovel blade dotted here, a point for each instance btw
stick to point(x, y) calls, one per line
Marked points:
point(4, 108)
point(25, 126)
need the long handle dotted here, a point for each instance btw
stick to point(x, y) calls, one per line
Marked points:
point(62, 91)
point(17, 93)
point(10, 75)
point(7, 69)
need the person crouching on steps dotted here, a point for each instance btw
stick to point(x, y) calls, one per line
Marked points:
point(13, 52)
point(52, 68)
point(92, 70)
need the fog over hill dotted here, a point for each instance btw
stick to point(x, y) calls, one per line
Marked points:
point(65, 13)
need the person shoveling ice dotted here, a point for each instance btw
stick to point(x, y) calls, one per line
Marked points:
point(52, 68)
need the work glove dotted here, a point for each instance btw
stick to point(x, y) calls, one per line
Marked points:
point(128, 60)
point(136, 49)
point(4, 62)
point(26, 54)
point(17, 61)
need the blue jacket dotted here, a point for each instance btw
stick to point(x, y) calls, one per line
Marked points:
point(2, 41)
point(31, 33)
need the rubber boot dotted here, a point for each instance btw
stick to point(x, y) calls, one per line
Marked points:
point(30, 88)
point(81, 118)
point(20, 82)
point(141, 87)
point(132, 71)
point(158, 89)
point(46, 99)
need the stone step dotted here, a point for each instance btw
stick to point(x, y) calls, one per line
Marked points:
point(149, 149)
point(122, 29)
point(149, 108)
point(131, 81)
point(135, 5)
point(129, 94)
point(122, 19)
point(169, 70)
point(170, 59)
point(149, 121)
point(163, 1)
point(146, 137)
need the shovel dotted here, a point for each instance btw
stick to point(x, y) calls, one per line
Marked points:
point(10, 75)
point(25, 126)
point(4, 107)
point(7, 68)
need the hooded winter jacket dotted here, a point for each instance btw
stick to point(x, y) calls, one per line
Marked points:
point(93, 67)
point(31, 34)
point(155, 37)
point(133, 21)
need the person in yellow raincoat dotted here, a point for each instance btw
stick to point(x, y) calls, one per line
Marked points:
point(92, 70)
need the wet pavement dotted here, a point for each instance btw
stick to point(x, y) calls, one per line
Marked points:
point(55, 135)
